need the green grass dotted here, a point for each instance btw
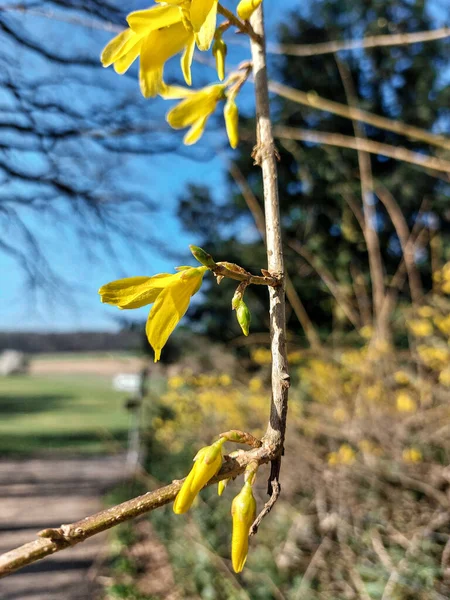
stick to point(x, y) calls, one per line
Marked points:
point(71, 413)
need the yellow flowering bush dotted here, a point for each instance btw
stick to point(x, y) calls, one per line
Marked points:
point(208, 398)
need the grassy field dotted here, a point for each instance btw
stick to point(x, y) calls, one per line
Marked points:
point(69, 413)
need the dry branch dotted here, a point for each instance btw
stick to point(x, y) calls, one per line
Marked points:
point(372, 41)
point(291, 293)
point(376, 267)
point(313, 100)
point(354, 143)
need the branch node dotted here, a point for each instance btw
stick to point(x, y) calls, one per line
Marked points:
point(262, 151)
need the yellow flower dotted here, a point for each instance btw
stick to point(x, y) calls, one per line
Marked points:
point(412, 455)
point(444, 377)
point(401, 377)
point(155, 34)
point(225, 379)
point(170, 293)
point(420, 327)
point(344, 456)
point(261, 356)
point(405, 403)
point(195, 110)
point(366, 332)
point(175, 382)
point(255, 384)
point(340, 414)
point(425, 312)
point(243, 511)
point(246, 8)
point(207, 463)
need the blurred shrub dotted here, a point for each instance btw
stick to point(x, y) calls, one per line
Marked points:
point(364, 511)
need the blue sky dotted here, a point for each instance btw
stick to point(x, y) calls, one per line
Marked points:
point(76, 306)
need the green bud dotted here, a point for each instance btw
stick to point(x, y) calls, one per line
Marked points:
point(219, 51)
point(203, 257)
point(243, 317)
point(221, 486)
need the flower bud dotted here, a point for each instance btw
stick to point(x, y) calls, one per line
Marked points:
point(224, 482)
point(202, 256)
point(219, 51)
point(246, 8)
point(243, 316)
point(207, 463)
point(243, 511)
point(231, 114)
point(221, 486)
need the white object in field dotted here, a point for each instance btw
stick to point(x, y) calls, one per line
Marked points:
point(13, 362)
point(127, 382)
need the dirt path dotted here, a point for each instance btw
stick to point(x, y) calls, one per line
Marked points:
point(40, 493)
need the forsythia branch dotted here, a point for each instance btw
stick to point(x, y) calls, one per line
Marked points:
point(51, 541)
point(265, 155)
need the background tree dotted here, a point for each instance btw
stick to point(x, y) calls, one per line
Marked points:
point(321, 186)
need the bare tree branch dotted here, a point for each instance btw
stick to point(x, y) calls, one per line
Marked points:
point(354, 143)
point(313, 100)
point(372, 41)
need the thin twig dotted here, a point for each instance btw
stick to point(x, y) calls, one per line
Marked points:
point(243, 26)
point(354, 143)
point(372, 41)
point(403, 233)
point(258, 215)
point(376, 267)
point(313, 100)
point(267, 507)
point(328, 280)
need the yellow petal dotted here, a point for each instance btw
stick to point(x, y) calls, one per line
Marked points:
point(197, 106)
point(186, 60)
point(134, 292)
point(170, 306)
point(115, 48)
point(231, 115)
point(195, 132)
point(174, 92)
point(145, 21)
point(185, 497)
point(205, 33)
point(200, 9)
point(220, 52)
point(122, 64)
point(150, 81)
point(157, 48)
point(246, 8)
